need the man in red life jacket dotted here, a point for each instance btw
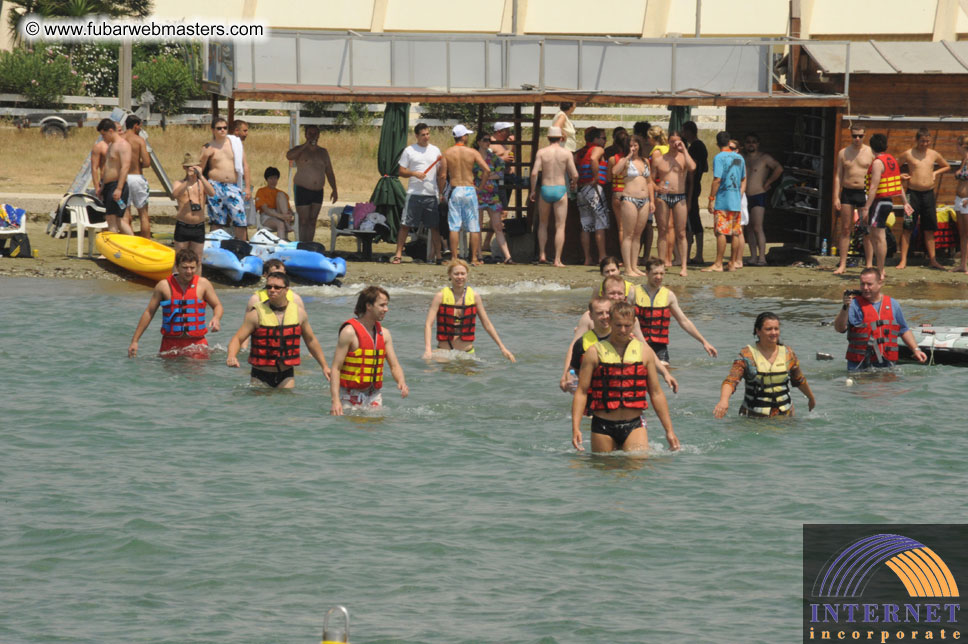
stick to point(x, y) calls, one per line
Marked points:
point(616, 374)
point(592, 176)
point(883, 186)
point(183, 297)
point(873, 323)
point(363, 346)
point(278, 326)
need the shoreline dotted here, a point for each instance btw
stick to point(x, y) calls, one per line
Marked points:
point(51, 262)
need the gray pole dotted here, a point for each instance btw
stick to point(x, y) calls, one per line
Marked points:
point(124, 75)
point(698, 18)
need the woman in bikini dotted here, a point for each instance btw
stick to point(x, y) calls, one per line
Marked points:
point(961, 202)
point(455, 310)
point(638, 204)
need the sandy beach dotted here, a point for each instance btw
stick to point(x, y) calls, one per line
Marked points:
point(51, 262)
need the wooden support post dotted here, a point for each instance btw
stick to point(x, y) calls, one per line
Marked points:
point(480, 120)
point(231, 111)
point(214, 106)
point(838, 139)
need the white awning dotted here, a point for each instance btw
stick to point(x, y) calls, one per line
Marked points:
point(892, 57)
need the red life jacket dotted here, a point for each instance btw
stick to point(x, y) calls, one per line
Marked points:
point(363, 368)
point(879, 328)
point(586, 173)
point(890, 183)
point(618, 381)
point(653, 314)
point(183, 314)
point(456, 320)
point(275, 344)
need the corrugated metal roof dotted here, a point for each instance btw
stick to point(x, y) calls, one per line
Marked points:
point(890, 57)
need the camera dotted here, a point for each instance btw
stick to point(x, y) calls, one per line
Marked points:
point(853, 291)
point(196, 207)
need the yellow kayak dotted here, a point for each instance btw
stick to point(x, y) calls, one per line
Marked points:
point(139, 255)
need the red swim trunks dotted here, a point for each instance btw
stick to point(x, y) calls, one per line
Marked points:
point(188, 347)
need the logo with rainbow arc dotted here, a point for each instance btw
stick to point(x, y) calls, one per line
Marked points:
point(919, 568)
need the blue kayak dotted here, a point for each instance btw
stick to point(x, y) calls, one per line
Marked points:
point(308, 265)
point(231, 258)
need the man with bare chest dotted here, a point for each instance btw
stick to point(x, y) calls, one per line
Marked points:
point(313, 168)
point(671, 171)
point(114, 186)
point(190, 193)
point(462, 207)
point(924, 166)
point(137, 184)
point(556, 166)
point(763, 171)
point(850, 191)
point(223, 162)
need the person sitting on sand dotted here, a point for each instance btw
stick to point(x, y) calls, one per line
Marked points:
point(455, 309)
point(655, 305)
point(273, 205)
point(183, 297)
point(278, 326)
point(617, 377)
point(769, 368)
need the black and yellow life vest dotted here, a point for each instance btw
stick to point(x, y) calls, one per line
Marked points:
point(767, 385)
point(456, 320)
point(654, 314)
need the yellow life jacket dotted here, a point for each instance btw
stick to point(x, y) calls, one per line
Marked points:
point(767, 385)
point(654, 314)
point(264, 295)
point(618, 380)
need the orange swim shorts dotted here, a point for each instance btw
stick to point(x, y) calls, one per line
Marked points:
point(727, 222)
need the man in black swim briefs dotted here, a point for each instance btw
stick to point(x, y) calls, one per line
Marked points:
point(277, 326)
point(616, 375)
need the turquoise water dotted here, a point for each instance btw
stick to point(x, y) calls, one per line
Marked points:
point(165, 501)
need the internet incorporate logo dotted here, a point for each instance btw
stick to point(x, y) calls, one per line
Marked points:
point(883, 587)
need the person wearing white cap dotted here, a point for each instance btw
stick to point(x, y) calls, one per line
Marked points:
point(502, 133)
point(556, 165)
point(459, 161)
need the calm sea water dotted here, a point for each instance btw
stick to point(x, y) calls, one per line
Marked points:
point(166, 501)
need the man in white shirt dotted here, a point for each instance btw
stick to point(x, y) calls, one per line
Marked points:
point(420, 163)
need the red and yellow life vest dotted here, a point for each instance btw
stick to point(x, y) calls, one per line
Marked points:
point(456, 320)
point(183, 314)
point(879, 332)
point(275, 344)
point(654, 314)
point(618, 181)
point(618, 381)
point(890, 183)
point(587, 174)
point(363, 368)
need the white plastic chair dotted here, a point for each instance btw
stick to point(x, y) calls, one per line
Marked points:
point(74, 214)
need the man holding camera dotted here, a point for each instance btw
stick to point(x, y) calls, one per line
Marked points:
point(874, 323)
point(190, 193)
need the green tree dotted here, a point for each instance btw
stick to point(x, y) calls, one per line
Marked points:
point(168, 78)
point(42, 75)
point(74, 9)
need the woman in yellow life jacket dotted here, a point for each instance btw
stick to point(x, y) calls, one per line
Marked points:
point(455, 310)
point(769, 368)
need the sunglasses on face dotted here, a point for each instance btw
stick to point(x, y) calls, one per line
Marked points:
point(856, 136)
point(221, 127)
point(271, 287)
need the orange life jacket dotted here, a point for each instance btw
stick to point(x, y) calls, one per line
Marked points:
point(275, 344)
point(183, 314)
point(890, 183)
point(363, 368)
point(456, 320)
point(586, 173)
point(654, 314)
point(618, 381)
point(879, 330)
point(618, 182)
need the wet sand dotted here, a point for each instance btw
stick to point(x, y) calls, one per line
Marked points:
point(782, 281)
